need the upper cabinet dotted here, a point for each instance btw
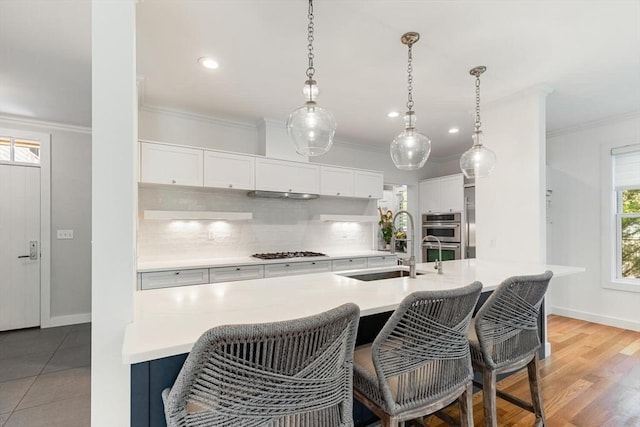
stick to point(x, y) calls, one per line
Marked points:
point(445, 194)
point(368, 184)
point(168, 164)
point(282, 175)
point(229, 170)
point(344, 182)
point(336, 181)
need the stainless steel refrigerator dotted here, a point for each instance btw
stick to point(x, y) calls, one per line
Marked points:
point(470, 221)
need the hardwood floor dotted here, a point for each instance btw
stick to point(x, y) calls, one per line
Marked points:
point(592, 378)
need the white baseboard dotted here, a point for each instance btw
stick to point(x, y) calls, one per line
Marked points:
point(596, 318)
point(70, 319)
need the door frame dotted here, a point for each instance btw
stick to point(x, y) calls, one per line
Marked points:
point(45, 215)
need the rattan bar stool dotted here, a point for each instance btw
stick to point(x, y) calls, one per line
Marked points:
point(504, 338)
point(420, 361)
point(291, 373)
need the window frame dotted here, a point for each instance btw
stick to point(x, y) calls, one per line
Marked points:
point(12, 151)
point(611, 224)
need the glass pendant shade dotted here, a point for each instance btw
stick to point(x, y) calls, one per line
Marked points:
point(311, 128)
point(478, 161)
point(410, 149)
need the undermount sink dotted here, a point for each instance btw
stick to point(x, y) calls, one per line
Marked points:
point(381, 275)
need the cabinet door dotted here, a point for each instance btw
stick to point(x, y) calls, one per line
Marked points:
point(348, 264)
point(368, 185)
point(430, 196)
point(452, 194)
point(226, 170)
point(168, 279)
point(231, 274)
point(336, 181)
point(292, 268)
point(281, 175)
point(382, 261)
point(166, 164)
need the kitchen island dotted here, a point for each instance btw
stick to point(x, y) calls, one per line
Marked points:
point(167, 322)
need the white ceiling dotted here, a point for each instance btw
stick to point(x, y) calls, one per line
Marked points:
point(587, 51)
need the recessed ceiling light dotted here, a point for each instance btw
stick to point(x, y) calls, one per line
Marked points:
point(454, 130)
point(208, 62)
point(393, 114)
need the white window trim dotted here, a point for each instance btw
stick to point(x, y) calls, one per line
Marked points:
point(609, 220)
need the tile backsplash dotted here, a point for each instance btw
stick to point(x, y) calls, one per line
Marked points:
point(277, 225)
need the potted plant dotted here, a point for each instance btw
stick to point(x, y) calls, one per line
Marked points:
point(386, 226)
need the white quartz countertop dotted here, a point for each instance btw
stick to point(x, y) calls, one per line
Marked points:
point(170, 264)
point(169, 321)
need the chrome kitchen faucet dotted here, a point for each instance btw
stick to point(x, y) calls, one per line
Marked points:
point(411, 262)
point(438, 265)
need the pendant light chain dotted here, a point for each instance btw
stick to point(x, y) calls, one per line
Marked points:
point(478, 122)
point(310, 69)
point(410, 78)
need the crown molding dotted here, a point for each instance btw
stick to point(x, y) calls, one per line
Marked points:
point(361, 147)
point(197, 117)
point(539, 89)
point(45, 124)
point(595, 123)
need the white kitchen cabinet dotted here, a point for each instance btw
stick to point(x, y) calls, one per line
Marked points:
point(348, 264)
point(172, 278)
point(367, 184)
point(292, 268)
point(445, 194)
point(229, 170)
point(168, 164)
point(336, 181)
point(282, 175)
point(382, 261)
point(231, 274)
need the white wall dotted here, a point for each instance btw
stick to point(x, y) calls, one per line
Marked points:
point(510, 215)
point(114, 177)
point(573, 160)
point(70, 281)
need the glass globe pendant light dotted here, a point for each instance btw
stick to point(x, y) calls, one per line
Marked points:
point(410, 149)
point(478, 161)
point(311, 127)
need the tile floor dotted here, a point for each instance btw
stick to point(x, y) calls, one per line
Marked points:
point(45, 377)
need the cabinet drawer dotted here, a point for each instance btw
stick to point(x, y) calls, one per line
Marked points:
point(291, 268)
point(230, 274)
point(382, 261)
point(167, 279)
point(348, 264)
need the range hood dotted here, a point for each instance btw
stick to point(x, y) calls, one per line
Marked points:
point(281, 195)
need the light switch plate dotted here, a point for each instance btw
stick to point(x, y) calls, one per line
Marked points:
point(64, 234)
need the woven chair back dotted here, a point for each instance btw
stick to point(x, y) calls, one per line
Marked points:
point(507, 323)
point(422, 352)
point(292, 373)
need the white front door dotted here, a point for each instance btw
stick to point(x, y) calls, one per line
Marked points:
point(19, 246)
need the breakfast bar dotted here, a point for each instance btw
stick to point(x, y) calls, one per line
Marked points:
point(167, 322)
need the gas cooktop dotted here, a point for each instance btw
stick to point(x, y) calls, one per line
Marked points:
point(281, 255)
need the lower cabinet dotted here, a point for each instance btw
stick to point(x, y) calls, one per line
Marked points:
point(348, 264)
point(382, 261)
point(172, 278)
point(292, 268)
point(232, 274)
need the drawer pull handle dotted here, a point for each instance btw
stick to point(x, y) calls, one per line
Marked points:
point(238, 269)
point(177, 272)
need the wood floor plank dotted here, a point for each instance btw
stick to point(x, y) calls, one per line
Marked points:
point(591, 379)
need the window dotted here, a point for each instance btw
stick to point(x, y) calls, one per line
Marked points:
point(625, 216)
point(24, 151)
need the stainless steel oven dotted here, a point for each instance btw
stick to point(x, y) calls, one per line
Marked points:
point(449, 251)
point(446, 227)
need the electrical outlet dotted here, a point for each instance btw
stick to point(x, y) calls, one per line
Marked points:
point(212, 235)
point(64, 234)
